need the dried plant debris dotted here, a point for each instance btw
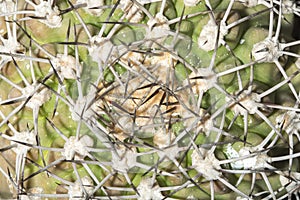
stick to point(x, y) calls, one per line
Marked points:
point(149, 99)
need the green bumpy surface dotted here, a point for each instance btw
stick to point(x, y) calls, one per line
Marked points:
point(147, 113)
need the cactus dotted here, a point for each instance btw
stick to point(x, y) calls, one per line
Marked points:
point(149, 99)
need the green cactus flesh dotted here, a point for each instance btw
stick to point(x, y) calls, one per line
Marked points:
point(149, 99)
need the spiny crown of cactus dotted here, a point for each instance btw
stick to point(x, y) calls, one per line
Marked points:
point(149, 99)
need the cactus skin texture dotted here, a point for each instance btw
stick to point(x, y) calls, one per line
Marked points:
point(149, 99)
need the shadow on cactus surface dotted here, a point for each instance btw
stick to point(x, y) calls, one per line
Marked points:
point(149, 99)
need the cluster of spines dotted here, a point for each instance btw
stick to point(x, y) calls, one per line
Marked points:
point(149, 99)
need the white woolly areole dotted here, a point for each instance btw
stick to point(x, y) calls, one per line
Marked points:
point(290, 120)
point(77, 148)
point(191, 197)
point(208, 36)
point(250, 3)
point(91, 4)
point(147, 191)
point(38, 98)
point(50, 13)
point(76, 191)
point(158, 27)
point(66, 66)
point(133, 13)
point(257, 161)
point(10, 45)
point(288, 6)
point(26, 137)
point(266, 51)
point(101, 50)
point(290, 183)
point(191, 2)
point(123, 159)
point(206, 164)
point(231, 153)
point(7, 6)
point(248, 102)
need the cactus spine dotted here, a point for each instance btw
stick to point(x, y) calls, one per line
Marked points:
point(149, 99)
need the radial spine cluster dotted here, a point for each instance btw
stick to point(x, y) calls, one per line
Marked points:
point(149, 99)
